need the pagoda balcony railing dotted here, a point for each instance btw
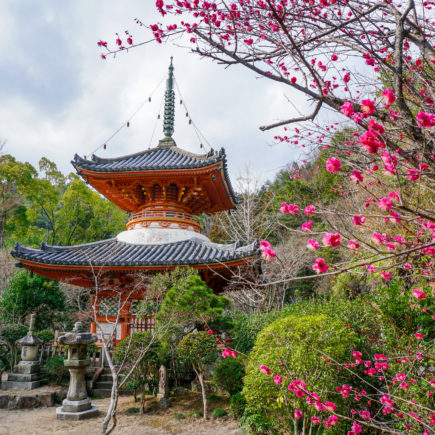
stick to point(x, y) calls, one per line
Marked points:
point(169, 215)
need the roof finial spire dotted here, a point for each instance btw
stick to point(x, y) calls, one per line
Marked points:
point(169, 113)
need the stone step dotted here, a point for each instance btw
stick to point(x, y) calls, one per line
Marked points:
point(105, 378)
point(101, 385)
point(97, 392)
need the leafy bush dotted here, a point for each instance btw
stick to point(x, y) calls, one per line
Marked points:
point(9, 334)
point(142, 347)
point(28, 294)
point(56, 370)
point(179, 416)
point(198, 349)
point(257, 423)
point(296, 343)
point(237, 404)
point(46, 335)
point(218, 413)
point(229, 374)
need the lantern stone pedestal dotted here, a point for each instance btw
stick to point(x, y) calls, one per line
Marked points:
point(26, 375)
point(77, 405)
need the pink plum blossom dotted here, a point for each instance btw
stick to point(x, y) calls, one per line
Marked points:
point(426, 120)
point(368, 106)
point(292, 209)
point(330, 406)
point(307, 226)
point(389, 97)
point(312, 245)
point(347, 109)
point(412, 174)
point(359, 220)
point(265, 370)
point(418, 336)
point(332, 420)
point(353, 244)
point(298, 414)
point(277, 379)
point(310, 210)
point(370, 142)
point(419, 294)
point(333, 165)
point(385, 204)
point(320, 265)
point(356, 176)
point(333, 240)
point(356, 429)
point(226, 353)
point(387, 276)
point(268, 253)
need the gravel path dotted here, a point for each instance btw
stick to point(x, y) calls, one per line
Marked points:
point(43, 421)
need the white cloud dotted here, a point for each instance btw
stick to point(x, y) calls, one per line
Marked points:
point(64, 99)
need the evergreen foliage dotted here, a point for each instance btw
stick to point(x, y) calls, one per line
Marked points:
point(28, 294)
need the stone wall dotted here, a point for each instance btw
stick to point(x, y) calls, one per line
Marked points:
point(27, 400)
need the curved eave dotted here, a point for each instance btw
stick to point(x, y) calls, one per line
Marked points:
point(202, 165)
point(164, 266)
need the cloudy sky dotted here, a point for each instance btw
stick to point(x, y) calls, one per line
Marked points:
point(59, 98)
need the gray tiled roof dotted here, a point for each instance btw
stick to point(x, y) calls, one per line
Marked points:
point(112, 252)
point(154, 159)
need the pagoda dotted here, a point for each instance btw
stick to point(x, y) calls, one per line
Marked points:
point(163, 189)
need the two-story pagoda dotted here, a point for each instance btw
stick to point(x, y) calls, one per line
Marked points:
point(163, 189)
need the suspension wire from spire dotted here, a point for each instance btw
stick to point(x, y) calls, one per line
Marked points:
point(156, 122)
point(198, 132)
point(127, 123)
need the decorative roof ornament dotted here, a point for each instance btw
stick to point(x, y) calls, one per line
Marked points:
point(169, 112)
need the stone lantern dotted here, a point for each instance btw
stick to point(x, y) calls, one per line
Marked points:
point(26, 374)
point(77, 405)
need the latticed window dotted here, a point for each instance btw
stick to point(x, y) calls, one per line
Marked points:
point(133, 307)
point(108, 306)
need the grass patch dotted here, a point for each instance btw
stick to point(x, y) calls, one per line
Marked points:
point(214, 398)
point(195, 413)
point(218, 413)
point(179, 416)
point(133, 410)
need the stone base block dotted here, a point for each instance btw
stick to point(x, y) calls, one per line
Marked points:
point(76, 405)
point(27, 367)
point(24, 377)
point(17, 385)
point(82, 415)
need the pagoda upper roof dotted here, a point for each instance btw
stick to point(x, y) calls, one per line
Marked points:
point(114, 253)
point(160, 158)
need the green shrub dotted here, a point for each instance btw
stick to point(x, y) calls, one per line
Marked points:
point(9, 334)
point(46, 335)
point(237, 404)
point(218, 413)
point(133, 410)
point(257, 423)
point(56, 370)
point(179, 416)
point(229, 374)
point(195, 413)
point(297, 343)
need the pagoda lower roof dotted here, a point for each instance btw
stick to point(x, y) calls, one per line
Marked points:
point(114, 253)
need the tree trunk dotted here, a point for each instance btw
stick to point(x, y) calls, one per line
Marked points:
point(142, 401)
point(204, 396)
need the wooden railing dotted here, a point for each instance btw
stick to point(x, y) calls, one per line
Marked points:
point(141, 325)
point(49, 351)
point(163, 215)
